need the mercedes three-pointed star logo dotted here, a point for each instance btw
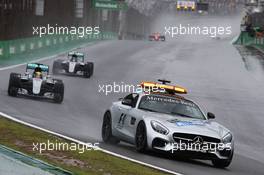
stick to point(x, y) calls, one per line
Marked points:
point(198, 140)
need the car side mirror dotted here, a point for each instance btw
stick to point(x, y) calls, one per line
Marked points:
point(127, 102)
point(210, 115)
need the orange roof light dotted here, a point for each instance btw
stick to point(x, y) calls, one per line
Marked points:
point(176, 89)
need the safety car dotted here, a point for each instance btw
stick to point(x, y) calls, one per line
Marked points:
point(162, 119)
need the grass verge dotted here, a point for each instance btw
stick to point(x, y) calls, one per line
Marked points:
point(21, 138)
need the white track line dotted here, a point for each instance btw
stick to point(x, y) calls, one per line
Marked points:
point(82, 143)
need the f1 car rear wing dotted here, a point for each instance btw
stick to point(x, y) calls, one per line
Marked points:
point(171, 89)
point(33, 66)
point(78, 54)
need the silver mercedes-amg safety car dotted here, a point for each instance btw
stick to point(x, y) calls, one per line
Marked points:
point(158, 118)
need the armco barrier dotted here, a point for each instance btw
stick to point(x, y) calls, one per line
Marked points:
point(245, 39)
point(13, 48)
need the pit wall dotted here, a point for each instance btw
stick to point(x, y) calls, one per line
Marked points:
point(37, 47)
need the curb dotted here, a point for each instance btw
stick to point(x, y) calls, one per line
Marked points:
point(28, 160)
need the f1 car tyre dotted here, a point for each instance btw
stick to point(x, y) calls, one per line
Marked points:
point(162, 38)
point(88, 70)
point(13, 84)
point(219, 163)
point(58, 92)
point(56, 67)
point(107, 130)
point(141, 137)
point(91, 68)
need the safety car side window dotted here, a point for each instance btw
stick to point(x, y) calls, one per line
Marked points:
point(133, 98)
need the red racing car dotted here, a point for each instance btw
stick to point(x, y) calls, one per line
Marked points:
point(156, 37)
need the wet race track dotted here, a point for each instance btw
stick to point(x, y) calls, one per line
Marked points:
point(213, 71)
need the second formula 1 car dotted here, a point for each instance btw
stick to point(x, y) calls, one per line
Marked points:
point(36, 83)
point(156, 37)
point(74, 65)
point(162, 120)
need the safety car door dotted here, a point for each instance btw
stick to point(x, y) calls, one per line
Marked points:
point(126, 120)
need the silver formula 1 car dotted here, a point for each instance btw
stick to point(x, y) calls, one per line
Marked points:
point(74, 65)
point(165, 121)
point(36, 82)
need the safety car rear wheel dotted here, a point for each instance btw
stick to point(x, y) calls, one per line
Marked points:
point(107, 130)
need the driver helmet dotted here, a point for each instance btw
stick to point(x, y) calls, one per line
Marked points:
point(38, 73)
point(74, 58)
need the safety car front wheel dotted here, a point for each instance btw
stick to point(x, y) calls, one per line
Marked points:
point(141, 137)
